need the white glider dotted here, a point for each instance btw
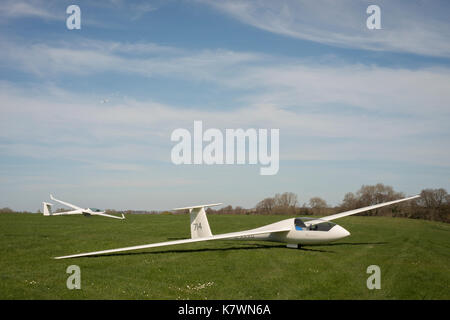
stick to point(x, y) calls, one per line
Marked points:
point(77, 210)
point(294, 231)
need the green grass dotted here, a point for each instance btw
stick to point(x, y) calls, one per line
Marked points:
point(414, 257)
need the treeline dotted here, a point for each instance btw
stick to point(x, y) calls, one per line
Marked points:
point(9, 210)
point(434, 204)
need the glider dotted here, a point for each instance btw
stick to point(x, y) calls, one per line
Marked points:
point(294, 231)
point(77, 210)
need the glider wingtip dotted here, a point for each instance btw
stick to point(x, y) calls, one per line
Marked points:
point(63, 257)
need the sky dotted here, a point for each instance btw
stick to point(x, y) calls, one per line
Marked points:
point(87, 114)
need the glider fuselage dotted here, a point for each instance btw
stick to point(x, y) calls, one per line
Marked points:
point(300, 232)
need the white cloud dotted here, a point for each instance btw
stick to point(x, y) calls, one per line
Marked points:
point(88, 57)
point(12, 9)
point(406, 92)
point(268, 80)
point(54, 124)
point(312, 104)
point(141, 9)
point(406, 26)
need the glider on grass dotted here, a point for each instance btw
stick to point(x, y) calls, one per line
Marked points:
point(77, 210)
point(294, 231)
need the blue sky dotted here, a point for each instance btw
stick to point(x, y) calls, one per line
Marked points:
point(354, 106)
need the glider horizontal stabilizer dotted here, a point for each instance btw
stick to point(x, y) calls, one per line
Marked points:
point(199, 206)
point(109, 215)
point(63, 213)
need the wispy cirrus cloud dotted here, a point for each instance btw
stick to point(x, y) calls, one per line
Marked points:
point(35, 121)
point(87, 57)
point(370, 88)
point(259, 79)
point(407, 26)
point(11, 9)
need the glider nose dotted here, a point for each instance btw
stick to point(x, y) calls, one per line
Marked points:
point(342, 232)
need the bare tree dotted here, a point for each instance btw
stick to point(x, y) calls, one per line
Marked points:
point(369, 195)
point(379, 193)
point(286, 200)
point(266, 205)
point(350, 201)
point(284, 203)
point(433, 198)
point(239, 210)
point(318, 205)
point(226, 210)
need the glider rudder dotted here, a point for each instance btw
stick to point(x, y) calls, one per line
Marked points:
point(47, 209)
point(199, 222)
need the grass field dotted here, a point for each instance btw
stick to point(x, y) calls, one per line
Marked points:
point(414, 257)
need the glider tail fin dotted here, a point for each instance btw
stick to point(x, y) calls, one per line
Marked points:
point(47, 208)
point(199, 222)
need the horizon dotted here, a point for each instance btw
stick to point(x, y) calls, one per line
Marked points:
point(298, 204)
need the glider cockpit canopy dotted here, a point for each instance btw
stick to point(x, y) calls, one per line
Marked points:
point(302, 224)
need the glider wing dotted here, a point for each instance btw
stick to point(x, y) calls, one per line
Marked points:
point(66, 203)
point(232, 235)
point(355, 211)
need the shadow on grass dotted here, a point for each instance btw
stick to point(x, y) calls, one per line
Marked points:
point(253, 246)
point(352, 243)
point(303, 248)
